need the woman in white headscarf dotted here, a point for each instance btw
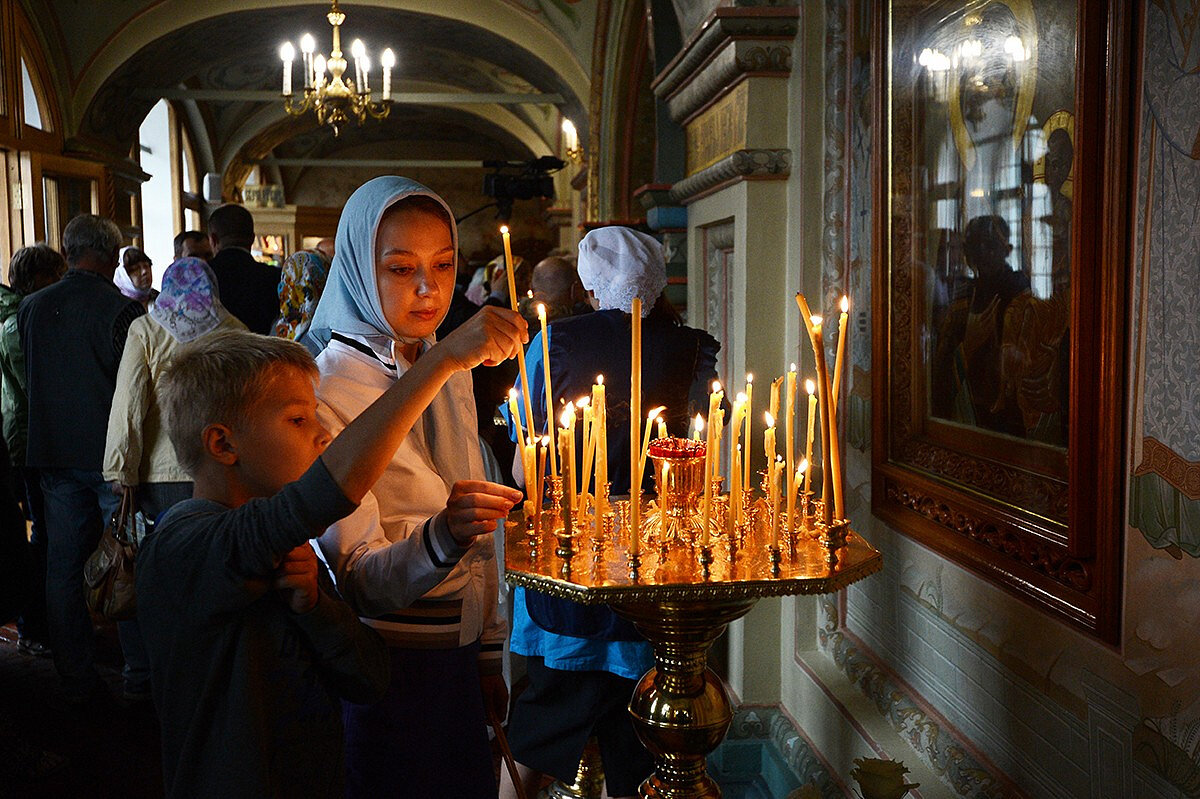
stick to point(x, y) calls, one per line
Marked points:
point(135, 277)
point(416, 560)
point(583, 662)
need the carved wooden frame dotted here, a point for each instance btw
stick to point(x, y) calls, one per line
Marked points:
point(1062, 551)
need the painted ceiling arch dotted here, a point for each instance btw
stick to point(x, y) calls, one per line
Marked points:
point(98, 38)
point(237, 52)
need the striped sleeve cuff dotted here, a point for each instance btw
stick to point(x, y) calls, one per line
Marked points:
point(490, 658)
point(443, 551)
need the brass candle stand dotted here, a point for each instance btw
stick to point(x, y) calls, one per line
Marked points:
point(682, 596)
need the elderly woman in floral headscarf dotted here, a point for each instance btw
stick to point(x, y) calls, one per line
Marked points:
point(301, 282)
point(134, 276)
point(138, 453)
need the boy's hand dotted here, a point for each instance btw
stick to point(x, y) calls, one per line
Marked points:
point(296, 579)
point(489, 337)
point(495, 696)
point(475, 505)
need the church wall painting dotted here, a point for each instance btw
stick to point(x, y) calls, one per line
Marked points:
point(1157, 662)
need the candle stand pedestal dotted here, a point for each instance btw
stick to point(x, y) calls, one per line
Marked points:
point(680, 708)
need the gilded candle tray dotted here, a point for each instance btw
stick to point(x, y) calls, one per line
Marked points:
point(600, 571)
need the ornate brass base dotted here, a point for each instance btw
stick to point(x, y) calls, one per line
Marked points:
point(680, 709)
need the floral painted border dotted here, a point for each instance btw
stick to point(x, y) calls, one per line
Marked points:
point(936, 746)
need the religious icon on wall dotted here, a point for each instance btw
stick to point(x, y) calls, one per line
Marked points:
point(985, 264)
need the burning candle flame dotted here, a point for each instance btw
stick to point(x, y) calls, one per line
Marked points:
point(504, 229)
point(568, 415)
point(769, 419)
point(541, 309)
point(654, 414)
point(810, 387)
point(845, 304)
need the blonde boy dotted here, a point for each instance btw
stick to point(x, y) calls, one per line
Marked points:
point(249, 647)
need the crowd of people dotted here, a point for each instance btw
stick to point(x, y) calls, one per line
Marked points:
point(313, 449)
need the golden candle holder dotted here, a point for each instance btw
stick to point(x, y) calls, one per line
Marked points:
point(681, 603)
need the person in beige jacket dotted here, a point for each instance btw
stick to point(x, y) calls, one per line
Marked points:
point(138, 455)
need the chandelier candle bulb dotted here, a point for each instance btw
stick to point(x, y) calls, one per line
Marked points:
point(387, 61)
point(307, 45)
point(541, 312)
point(635, 419)
point(287, 54)
point(358, 52)
point(318, 71)
point(749, 428)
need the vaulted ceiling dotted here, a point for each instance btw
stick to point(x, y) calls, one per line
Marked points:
point(524, 64)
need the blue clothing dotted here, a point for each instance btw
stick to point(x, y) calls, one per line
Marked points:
point(628, 659)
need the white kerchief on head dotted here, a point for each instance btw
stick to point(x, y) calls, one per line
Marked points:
point(619, 263)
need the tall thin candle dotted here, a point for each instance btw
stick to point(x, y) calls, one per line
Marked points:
point(811, 388)
point(512, 296)
point(541, 311)
point(635, 421)
point(749, 429)
point(790, 447)
point(841, 351)
point(600, 434)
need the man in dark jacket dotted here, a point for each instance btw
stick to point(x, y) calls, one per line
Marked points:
point(72, 335)
point(249, 289)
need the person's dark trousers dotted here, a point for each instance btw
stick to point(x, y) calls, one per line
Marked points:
point(154, 499)
point(32, 624)
point(78, 503)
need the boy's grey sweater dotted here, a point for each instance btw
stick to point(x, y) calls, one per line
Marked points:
point(246, 691)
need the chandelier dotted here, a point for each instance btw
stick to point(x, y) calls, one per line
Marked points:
point(336, 100)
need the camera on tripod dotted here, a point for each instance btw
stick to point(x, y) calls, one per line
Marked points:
point(519, 180)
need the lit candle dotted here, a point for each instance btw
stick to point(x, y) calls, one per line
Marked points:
point(790, 446)
point(697, 427)
point(307, 45)
point(541, 310)
point(387, 61)
point(635, 418)
point(589, 451)
point(516, 419)
point(749, 428)
point(841, 351)
point(565, 443)
point(662, 428)
point(509, 272)
point(773, 406)
point(287, 54)
point(769, 451)
point(600, 434)
point(811, 388)
point(645, 451)
point(828, 439)
point(567, 419)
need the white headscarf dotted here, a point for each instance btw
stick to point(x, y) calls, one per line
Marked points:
point(618, 263)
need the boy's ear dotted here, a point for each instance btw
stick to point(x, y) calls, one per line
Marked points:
point(219, 444)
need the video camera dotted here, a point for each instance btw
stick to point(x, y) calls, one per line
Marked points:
point(519, 180)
